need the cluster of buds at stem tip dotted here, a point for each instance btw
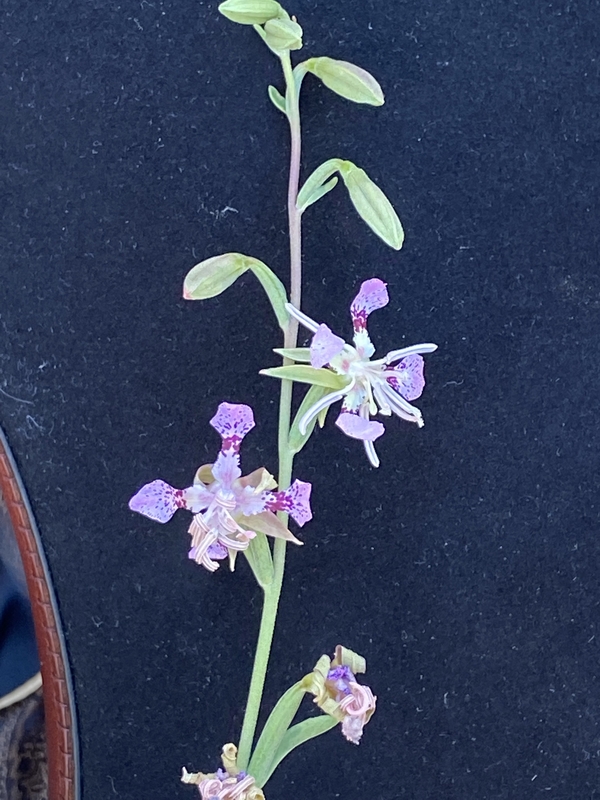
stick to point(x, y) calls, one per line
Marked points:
point(229, 783)
point(337, 692)
point(269, 19)
point(228, 509)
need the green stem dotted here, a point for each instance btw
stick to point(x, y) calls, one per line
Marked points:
point(272, 592)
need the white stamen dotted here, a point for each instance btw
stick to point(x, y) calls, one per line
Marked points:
point(384, 406)
point(371, 454)
point(302, 318)
point(401, 406)
point(324, 402)
point(415, 349)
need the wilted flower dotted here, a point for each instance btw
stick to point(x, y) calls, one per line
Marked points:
point(337, 692)
point(225, 784)
point(228, 509)
point(384, 385)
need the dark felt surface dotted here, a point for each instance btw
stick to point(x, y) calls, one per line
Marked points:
point(466, 568)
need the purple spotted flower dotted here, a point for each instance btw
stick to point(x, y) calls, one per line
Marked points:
point(385, 385)
point(228, 509)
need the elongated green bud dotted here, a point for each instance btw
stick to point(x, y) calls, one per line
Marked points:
point(283, 34)
point(347, 80)
point(250, 12)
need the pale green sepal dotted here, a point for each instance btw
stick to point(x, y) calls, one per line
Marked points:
point(297, 440)
point(297, 735)
point(322, 416)
point(258, 554)
point(305, 374)
point(213, 276)
point(250, 12)
point(277, 724)
point(372, 205)
point(277, 99)
point(294, 353)
point(347, 80)
point(315, 181)
point(348, 658)
point(322, 190)
point(283, 34)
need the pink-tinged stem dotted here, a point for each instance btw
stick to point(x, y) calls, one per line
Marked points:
point(286, 457)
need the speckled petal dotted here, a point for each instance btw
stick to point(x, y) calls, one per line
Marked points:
point(295, 500)
point(407, 378)
point(358, 428)
point(157, 501)
point(325, 345)
point(373, 295)
point(233, 421)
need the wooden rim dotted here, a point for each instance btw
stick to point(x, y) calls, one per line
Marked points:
point(59, 709)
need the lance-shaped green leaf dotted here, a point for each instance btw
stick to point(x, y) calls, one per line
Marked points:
point(372, 205)
point(311, 190)
point(277, 99)
point(305, 374)
point(297, 440)
point(259, 557)
point(294, 353)
point(283, 34)
point(211, 277)
point(347, 80)
point(276, 725)
point(297, 735)
point(250, 12)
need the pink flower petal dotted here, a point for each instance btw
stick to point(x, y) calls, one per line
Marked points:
point(373, 294)
point(295, 500)
point(325, 345)
point(157, 501)
point(226, 468)
point(233, 421)
point(407, 377)
point(358, 428)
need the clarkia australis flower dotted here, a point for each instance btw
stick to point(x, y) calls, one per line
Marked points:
point(228, 509)
point(338, 693)
point(229, 783)
point(385, 385)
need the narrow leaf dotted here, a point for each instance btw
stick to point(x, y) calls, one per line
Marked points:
point(347, 80)
point(297, 440)
point(372, 205)
point(277, 99)
point(316, 180)
point(277, 724)
point(259, 557)
point(297, 735)
point(294, 353)
point(305, 374)
point(275, 290)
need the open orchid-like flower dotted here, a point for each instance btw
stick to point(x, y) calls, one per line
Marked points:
point(228, 509)
point(338, 693)
point(385, 385)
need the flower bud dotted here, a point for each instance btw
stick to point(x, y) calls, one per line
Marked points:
point(250, 12)
point(347, 80)
point(283, 34)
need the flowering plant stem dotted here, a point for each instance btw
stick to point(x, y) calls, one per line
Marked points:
point(272, 592)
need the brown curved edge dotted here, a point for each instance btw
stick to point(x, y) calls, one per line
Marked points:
point(61, 725)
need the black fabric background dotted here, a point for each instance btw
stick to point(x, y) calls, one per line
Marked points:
point(466, 568)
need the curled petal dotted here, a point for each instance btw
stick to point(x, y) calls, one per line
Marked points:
point(233, 421)
point(371, 453)
point(358, 428)
point(396, 355)
point(373, 294)
point(295, 500)
point(407, 377)
point(157, 501)
point(400, 406)
point(324, 347)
